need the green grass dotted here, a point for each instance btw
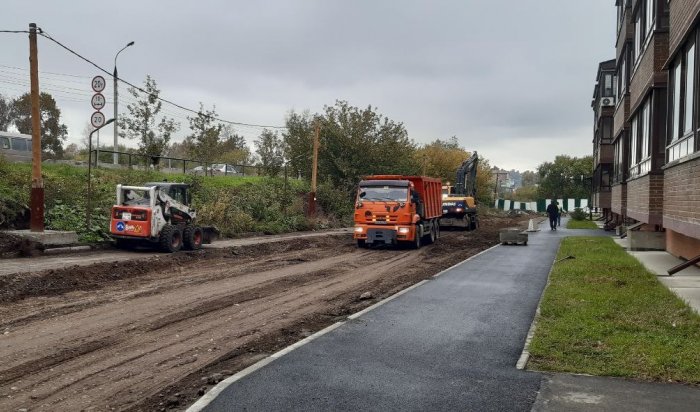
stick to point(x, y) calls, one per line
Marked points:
point(604, 314)
point(581, 224)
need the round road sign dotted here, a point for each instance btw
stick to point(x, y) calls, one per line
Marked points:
point(98, 101)
point(97, 119)
point(98, 83)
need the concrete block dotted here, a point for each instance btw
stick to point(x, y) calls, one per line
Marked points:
point(47, 237)
point(513, 236)
point(640, 240)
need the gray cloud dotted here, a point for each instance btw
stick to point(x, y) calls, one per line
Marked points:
point(511, 78)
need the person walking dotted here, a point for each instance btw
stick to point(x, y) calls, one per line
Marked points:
point(560, 210)
point(553, 212)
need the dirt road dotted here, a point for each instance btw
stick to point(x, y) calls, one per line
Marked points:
point(155, 334)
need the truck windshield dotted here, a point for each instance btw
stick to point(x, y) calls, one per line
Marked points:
point(384, 193)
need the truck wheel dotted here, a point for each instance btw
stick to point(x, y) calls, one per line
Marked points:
point(416, 241)
point(431, 235)
point(437, 230)
point(192, 237)
point(473, 223)
point(170, 238)
point(361, 243)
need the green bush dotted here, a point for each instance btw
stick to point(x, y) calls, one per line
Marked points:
point(579, 214)
point(73, 217)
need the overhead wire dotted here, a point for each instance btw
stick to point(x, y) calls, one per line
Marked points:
point(46, 35)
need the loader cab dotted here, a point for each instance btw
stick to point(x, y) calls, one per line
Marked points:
point(180, 192)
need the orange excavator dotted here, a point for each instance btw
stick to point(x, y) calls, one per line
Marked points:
point(394, 209)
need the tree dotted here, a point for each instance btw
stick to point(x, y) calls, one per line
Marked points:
point(357, 142)
point(53, 132)
point(205, 135)
point(298, 140)
point(5, 113)
point(441, 159)
point(530, 178)
point(566, 177)
point(234, 149)
point(144, 122)
point(270, 149)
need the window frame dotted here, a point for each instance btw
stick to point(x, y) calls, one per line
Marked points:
point(682, 137)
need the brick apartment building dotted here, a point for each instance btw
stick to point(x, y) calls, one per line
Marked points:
point(656, 120)
point(603, 105)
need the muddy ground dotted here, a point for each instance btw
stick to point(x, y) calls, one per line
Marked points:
point(157, 333)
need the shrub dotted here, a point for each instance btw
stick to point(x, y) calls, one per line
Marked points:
point(579, 214)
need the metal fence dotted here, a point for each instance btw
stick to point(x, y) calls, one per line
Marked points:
point(104, 158)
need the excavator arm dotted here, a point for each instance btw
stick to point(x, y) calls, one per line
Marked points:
point(465, 184)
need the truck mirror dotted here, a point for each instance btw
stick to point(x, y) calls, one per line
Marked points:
point(363, 194)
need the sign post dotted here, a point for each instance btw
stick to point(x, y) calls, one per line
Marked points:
point(97, 119)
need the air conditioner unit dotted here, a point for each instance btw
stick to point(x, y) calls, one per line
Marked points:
point(607, 101)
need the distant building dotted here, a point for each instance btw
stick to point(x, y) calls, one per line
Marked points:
point(603, 105)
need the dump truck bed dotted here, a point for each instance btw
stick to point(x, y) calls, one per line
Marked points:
point(429, 189)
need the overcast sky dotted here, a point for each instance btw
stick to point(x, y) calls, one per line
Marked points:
point(512, 79)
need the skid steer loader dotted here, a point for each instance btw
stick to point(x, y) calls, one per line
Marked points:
point(157, 214)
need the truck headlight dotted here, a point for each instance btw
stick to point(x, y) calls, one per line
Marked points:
point(358, 229)
point(404, 230)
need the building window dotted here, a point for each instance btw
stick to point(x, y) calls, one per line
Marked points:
point(681, 139)
point(638, 37)
point(622, 76)
point(689, 90)
point(643, 26)
point(634, 136)
point(618, 164)
point(640, 142)
point(676, 113)
point(608, 85)
point(607, 130)
point(645, 138)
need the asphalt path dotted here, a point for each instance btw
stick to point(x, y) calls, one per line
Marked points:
point(450, 344)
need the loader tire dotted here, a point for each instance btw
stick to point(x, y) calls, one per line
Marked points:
point(124, 244)
point(192, 237)
point(170, 239)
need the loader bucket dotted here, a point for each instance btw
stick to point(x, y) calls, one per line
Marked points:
point(209, 233)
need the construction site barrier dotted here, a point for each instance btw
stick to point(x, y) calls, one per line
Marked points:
point(540, 205)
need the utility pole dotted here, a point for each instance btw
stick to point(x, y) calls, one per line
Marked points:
point(36, 223)
point(312, 196)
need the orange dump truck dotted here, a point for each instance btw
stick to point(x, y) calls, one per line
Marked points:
point(393, 209)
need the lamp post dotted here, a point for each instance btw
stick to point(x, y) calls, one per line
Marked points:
point(116, 103)
point(89, 190)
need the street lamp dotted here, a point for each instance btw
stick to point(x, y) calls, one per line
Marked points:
point(89, 191)
point(116, 110)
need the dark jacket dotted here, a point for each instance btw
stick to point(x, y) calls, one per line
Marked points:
point(552, 210)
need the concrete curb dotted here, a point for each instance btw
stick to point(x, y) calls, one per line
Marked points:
point(66, 249)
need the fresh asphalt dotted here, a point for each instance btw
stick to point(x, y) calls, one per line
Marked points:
point(450, 344)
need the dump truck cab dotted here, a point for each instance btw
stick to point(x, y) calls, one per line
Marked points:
point(392, 210)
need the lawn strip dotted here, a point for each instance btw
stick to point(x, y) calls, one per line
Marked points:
point(581, 224)
point(604, 314)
